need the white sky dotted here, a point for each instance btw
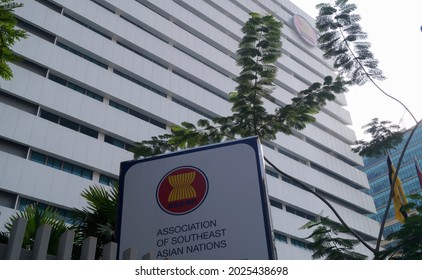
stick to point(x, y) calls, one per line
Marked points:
point(394, 31)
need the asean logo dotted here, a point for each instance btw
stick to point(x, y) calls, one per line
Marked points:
point(182, 190)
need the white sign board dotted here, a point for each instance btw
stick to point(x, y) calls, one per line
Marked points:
point(205, 203)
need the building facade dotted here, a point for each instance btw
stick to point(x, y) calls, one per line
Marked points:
point(377, 172)
point(97, 76)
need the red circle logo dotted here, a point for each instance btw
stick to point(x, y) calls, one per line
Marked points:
point(182, 190)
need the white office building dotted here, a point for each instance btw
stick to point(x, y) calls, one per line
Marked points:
point(99, 75)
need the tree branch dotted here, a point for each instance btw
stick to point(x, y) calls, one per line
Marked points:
point(372, 80)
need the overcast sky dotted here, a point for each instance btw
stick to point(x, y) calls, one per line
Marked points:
point(394, 30)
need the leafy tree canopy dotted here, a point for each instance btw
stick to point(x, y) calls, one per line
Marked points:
point(342, 39)
point(385, 136)
point(329, 244)
point(9, 34)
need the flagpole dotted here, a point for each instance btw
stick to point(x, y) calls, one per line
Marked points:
point(377, 248)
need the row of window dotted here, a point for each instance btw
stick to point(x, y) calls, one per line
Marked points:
point(61, 165)
point(22, 151)
point(86, 26)
point(300, 213)
point(295, 242)
point(136, 81)
point(101, 5)
point(175, 100)
point(90, 59)
point(83, 129)
point(137, 114)
point(406, 173)
point(51, 5)
point(107, 180)
point(416, 138)
point(329, 151)
point(378, 185)
point(289, 155)
point(142, 28)
point(142, 55)
point(409, 187)
point(411, 151)
point(280, 237)
point(200, 61)
point(380, 213)
point(69, 168)
point(407, 168)
point(335, 176)
point(200, 85)
point(293, 210)
point(300, 244)
point(97, 97)
point(69, 124)
point(118, 143)
point(75, 87)
point(285, 179)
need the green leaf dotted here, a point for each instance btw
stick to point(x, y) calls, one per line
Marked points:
point(341, 39)
point(385, 136)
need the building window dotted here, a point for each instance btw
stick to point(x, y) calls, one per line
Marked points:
point(175, 100)
point(88, 131)
point(61, 165)
point(69, 124)
point(75, 87)
point(300, 213)
point(142, 55)
point(271, 173)
point(137, 114)
point(37, 157)
point(106, 180)
point(78, 53)
point(114, 141)
point(280, 237)
point(117, 142)
point(276, 204)
point(57, 79)
point(199, 85)
point(133, 80)
point(55, 163)
point(87, 26)
point(300, 244)
point(119, 106)
point(7, 199)
point(49, 116)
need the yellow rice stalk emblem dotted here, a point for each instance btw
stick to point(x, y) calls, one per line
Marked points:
point(182, 188)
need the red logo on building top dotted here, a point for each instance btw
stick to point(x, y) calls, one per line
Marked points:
point(182, 190)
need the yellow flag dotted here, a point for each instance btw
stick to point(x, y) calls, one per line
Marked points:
point(399, 198)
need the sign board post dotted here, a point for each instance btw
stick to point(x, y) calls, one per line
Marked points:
point(209, 202)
